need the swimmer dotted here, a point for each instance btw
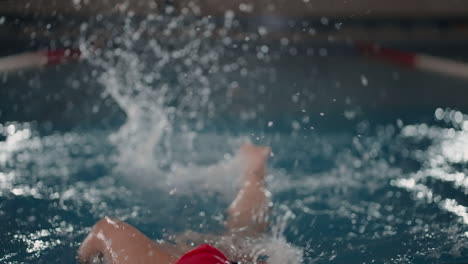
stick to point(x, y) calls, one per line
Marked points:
point(115, 242)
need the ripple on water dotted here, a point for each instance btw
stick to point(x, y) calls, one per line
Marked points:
point(363, 204)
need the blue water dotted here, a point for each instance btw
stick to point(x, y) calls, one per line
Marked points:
point(342, 198)
point(368, 164)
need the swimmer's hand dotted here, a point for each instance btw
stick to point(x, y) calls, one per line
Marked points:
point(254, 158)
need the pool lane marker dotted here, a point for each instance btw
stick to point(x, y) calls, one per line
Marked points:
point(38, 59)
point(416, 60)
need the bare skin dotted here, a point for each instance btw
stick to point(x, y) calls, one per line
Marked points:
point(248, 212)
point(116, 242)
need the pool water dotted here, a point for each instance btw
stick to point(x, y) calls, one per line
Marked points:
point(148, 132)
point(395, 195)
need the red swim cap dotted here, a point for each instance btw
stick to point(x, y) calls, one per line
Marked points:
point(204, 254)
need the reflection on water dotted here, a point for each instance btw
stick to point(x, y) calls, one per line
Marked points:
point(443, 161)
point(337, 197)
point(387, 194)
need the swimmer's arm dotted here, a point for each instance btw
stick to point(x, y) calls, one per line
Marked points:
point(118, 242)
point(248, 213)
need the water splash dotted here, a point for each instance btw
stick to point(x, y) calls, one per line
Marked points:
point(150, 65)
point(166, 85)
point(449, 150)
point(365, 198)
point(164, 71)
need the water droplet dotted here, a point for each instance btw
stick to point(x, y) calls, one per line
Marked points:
point(324, 20)
point(458, 117)
point(262, 30)
point(439, 113)
point(323, 52)
point(364, 80)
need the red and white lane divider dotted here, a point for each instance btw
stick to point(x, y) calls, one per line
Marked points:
point(38, 59)
point(417, 60)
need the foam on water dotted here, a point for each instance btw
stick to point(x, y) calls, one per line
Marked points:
point(440, 161)
point(150, 156)
point(365, 198)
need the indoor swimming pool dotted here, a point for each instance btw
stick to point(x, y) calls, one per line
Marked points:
point(149, 132)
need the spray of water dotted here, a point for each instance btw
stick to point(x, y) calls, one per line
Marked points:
point(366, 198)
point(163, 71)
